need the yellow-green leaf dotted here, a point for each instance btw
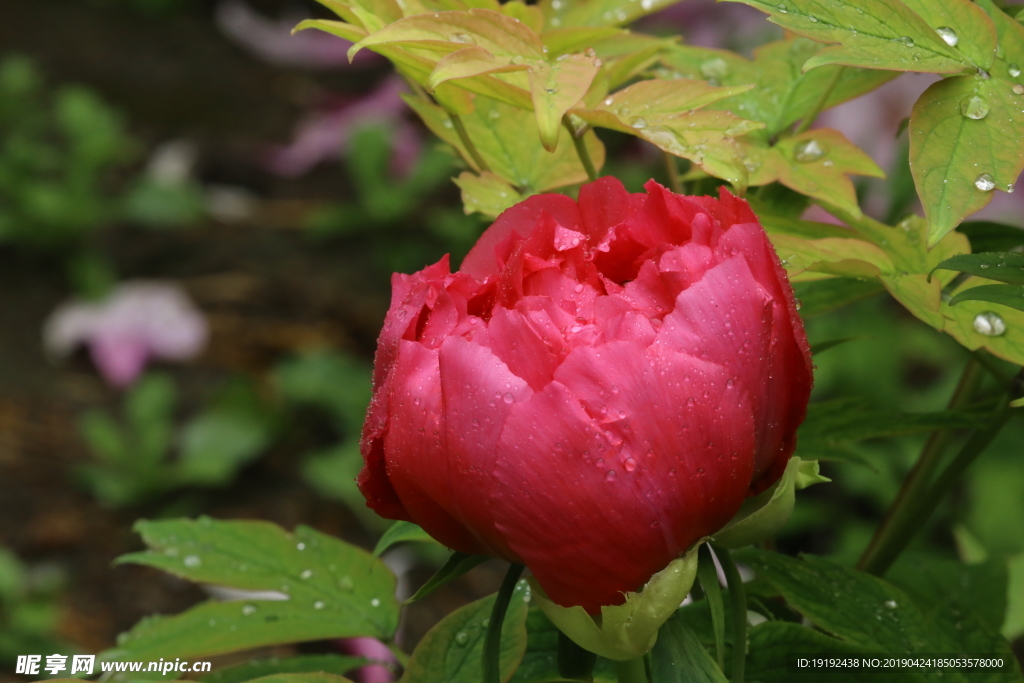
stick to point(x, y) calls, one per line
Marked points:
point(873, 34)
point(467, 62)
point(565, 13)
point(966, 140)
point(963, 24)
point(980, 324)
point(834, 256)
point(557, 87)
point(486, 193)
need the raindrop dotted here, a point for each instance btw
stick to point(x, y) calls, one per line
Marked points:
point(1018, 89)
point(306, 573)
point(319, 604)
point(948, 35)
point(630, 464)
point(647, 5)
point(192, 561)
point(461, 38)
point(904, 40)
point(809, 150)
point(714, 68)
point(985, 183)
point(974, 107)
point(300, 546)
point(813, 19)
point(461, 638)
point(782, 8)
point(1014, 70)
point(248, 610)
point(345, 584)
point(610, 476)
point(375, 603)
point(891, 604)
point(508, 398)
point(989, 324)
point(639, 123)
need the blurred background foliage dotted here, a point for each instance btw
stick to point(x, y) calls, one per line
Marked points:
point(143, 140)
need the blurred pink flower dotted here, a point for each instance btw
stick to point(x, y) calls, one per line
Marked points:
point(273, 42)
point(324, 135)
point(138, 321)
point(371, 649)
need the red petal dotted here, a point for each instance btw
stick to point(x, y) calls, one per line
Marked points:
point(604, 204)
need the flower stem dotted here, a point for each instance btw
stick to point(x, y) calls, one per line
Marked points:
point(492, 639)
point(631, 671)
point(822, 100)
point(672, 168)
point(581, 148)
point(460, 128)
point(902, 519)
point(738, 602)
point(573, 661)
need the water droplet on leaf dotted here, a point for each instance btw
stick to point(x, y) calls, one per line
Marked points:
point(809, 150)
point(948, 35)
point(985, 183)
point(904, 40)
point(461, 638)
point(974, 107)
point(1014, 70)
point(319, 604)
point(989, 324)
point(248, 610)
point(192, 561)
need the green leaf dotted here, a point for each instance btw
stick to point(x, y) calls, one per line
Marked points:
point(831, 427)
point(597, 12)
point(401, 532)
point(865, 611)
point(318, 677)
point(678, 657)
point(873, 34)
point(496, 130)
point(456, 565)
point(819, 297)
point(332, 473)
point(1002, 266)
point(452, 650)
point(336, 383)
point(1010, 35)
point(240, 673)
point(938, 585)
point(387, 11)
point(333, 589)
point(1011, 296)
point(976, 324)
point(966, 139)
point(707, 574)
point(809, 259)
point(989, 236)
point(814, 163)
point(216, 444)
point(965, 22)
point(773, 643)
point(556, 88)
point(486, 193)
point(540, 663)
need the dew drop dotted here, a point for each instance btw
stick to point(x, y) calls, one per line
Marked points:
point(948, 35)
point(647, 5)
point(306, 573)
point(1018, 89)
point(639, 123)
point(463, 38)
point(319, 604)
point(782, 8)
point(891, 604)
point(192, 561)
point(248, 610)
point(809, 150)
point(629, 465)
point(375, 603)
point(345, 584)
point(508, 398)
point(985, 183)
point(714, 68)
point(974, 107)
point(989, 324)
point(300, 546)
point(904, 40)
point(1014, 70)
point(461, 638)
point(811, 18)
point(610, 476)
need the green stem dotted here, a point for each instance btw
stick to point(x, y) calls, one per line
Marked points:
point(492, 639)
point(902, 521)
point(631, 671)
point(672, 168)
point(581, 148)
point(467, 143)
point(708, 576)
point(820, 104)
point(738, 601)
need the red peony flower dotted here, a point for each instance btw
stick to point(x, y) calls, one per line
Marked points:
point(601, 385)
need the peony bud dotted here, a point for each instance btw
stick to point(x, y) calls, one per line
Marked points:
point(600, 386)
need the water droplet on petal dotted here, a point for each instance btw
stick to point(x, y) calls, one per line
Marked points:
point(508, 398)
point(974, 107)
point(985, 183)
point(610, 476)
point(989, 324)
point(809, 150)
point(948, 35)
point(629, 465)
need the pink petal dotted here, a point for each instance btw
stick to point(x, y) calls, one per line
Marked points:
point(120, 359)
